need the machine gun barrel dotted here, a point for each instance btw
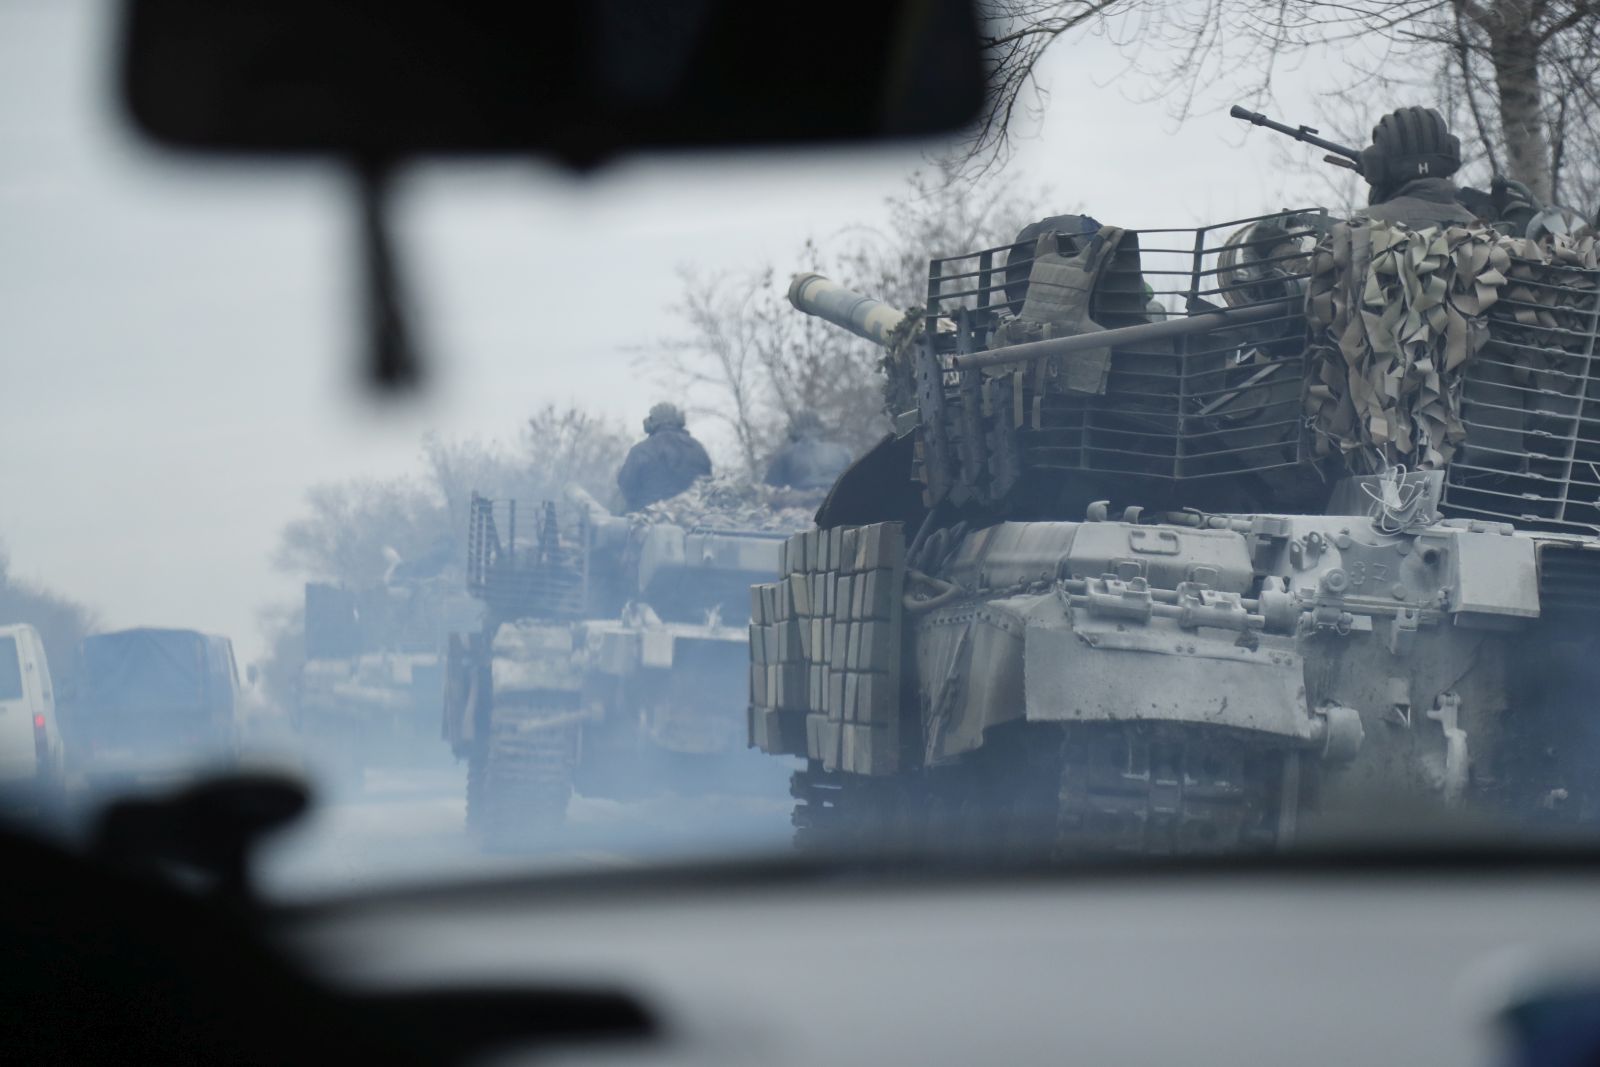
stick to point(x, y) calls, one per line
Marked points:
point(862, 315)
point(1206, 322)
point(1341, 154)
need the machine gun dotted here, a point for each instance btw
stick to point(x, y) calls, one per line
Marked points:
point(1340, 155)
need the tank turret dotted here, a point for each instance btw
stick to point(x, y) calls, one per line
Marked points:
point(1118, 360)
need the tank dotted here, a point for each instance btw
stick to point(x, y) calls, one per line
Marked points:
point(1143, 597)
point(613, 660)
point(369, 689)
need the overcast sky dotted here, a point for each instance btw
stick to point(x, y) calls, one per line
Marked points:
point(176, 342)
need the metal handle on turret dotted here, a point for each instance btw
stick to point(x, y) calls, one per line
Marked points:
point(1206, 322)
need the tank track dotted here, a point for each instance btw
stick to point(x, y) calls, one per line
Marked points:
point(819, 817)
point(1165, 790)
point(834, 811)
point(526, 780)
point(1068, 792)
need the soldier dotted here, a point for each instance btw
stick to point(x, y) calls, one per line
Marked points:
point(809, 460)
point(665, 463)
point(1408, 166)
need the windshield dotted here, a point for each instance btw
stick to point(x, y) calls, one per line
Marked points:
point(10, 670)
point(755, 501)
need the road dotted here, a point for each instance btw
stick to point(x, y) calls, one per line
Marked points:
point(409, 826)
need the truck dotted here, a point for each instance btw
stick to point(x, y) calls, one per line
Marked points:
point(1171, 551)
point(153, 702)
point(611, 661)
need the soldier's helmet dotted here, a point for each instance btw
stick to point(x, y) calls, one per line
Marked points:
point(1410, 143)
point(664, 416)
point(805, 424)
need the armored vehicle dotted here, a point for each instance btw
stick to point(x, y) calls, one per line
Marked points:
point(612, 660)
point(373, 677)
point(1186, 537)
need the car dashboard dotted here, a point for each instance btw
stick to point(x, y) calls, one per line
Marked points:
point(1212, 964)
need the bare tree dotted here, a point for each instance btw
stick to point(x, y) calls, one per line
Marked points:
point(749, 360)
point(559, 446)
point(457, 468)
point(284, 627)
point(354, 530)
point(61, 622)
point(1524, 71)
point(719, 364)
point(570, 446)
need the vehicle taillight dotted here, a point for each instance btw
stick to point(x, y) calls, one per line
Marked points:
point(41, 741)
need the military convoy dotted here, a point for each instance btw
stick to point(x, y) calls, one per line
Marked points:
point(1340, 572)
point(612, 658)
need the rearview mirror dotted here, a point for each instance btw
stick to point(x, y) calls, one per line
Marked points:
point(579, 82)
point(375, 83)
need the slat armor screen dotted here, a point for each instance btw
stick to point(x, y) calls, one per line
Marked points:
point(1531, 406)
point(1186, 408)
point(1204, 407)
point(526, 562)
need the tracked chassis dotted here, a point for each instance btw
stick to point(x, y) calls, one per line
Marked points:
point(1283, 619)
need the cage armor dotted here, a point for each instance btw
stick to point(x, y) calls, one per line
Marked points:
point(1056, 304)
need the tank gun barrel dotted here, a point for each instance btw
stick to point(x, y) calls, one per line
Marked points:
point(862, 315)
point(1206, 322)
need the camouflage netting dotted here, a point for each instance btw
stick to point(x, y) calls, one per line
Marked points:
point(899, 373)
point(1394, 316)
point(728, 501)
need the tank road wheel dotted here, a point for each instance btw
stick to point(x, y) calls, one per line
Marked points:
point(1158, 790)
point(526, 781)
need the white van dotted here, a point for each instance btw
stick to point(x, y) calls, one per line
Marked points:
point(30, 740)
